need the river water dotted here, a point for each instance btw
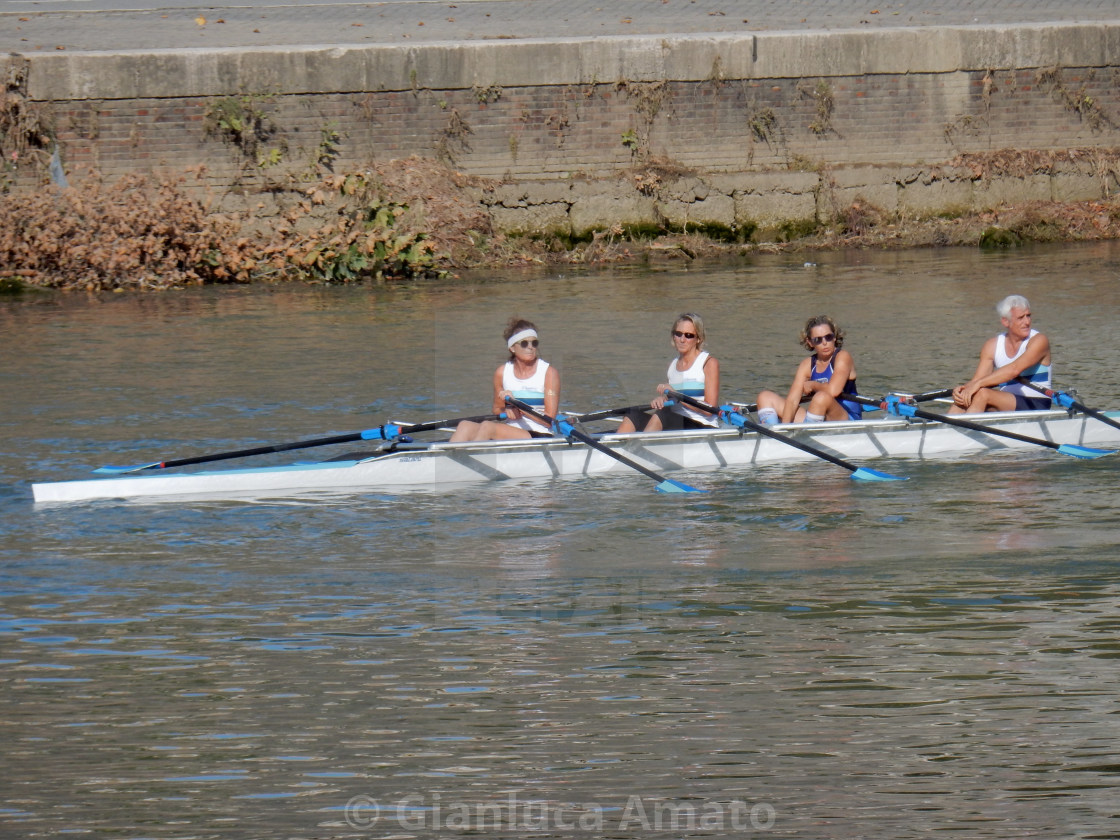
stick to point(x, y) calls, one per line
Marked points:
point(792, 654)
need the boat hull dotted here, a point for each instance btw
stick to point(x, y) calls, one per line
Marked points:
point(442, 465)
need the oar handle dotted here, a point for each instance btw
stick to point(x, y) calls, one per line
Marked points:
point(862, 400)
point(926, 396)
point(435, 424)
point(902, 399)
point(721, 412)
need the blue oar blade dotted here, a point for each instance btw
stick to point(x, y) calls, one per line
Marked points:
point(118, 470)
point(670, 486)
point(865, 474)
point(1086, 452)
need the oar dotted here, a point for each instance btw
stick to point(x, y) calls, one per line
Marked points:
point(1066, 401)
point(747, 407)
point(728, 414)
point(665, 485)
point(926, 396)
point(386, 431)
point(606, 412)
point(896, 406)
point(923, 397)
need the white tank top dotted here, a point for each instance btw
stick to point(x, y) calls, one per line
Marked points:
point(529, 391)
point(691, 382)
point(1038, 374)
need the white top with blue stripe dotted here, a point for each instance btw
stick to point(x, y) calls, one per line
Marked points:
point(691, 382)
point(529, 391)
point(1038, 374)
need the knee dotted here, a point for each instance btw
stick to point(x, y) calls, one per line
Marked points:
point(464, 431)
point(485, 430)
point(820, 403)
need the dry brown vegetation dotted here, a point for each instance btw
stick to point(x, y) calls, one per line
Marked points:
point(129, 234)
point(438, 203)
point(137, 233)
point(418, 218)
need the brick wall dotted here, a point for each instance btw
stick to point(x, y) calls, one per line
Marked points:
point(540, 133)
point(596, 129)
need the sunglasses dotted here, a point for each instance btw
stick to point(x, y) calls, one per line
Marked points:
point(528, 342)
point(817, 339)
point(679, 334)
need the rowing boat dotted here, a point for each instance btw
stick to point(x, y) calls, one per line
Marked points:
point(400, 466)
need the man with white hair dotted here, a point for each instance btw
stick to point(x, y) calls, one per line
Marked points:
point(1017, 352)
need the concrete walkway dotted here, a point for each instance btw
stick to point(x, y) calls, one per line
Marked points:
point(35, 26)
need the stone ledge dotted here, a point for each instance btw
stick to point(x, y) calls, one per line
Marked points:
point(160, 74)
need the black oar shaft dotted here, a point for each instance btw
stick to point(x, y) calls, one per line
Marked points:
point(763, 430)
point(570, 431)
point(955, 421)
point(606, 412)
point(1067, 401)
point(439, 424)
point(926, 396)
point(258, 450)
point(386, 431)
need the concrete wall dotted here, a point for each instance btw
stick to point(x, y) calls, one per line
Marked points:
point(750, 128)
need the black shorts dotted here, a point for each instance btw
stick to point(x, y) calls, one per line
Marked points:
point(1031, 403)
point(670, 420)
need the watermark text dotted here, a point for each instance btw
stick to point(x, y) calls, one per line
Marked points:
point(637, 813)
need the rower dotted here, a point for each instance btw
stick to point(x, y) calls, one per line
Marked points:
point(1019, 351)
point(524, 376)
point(694, 372)
point(821, 378)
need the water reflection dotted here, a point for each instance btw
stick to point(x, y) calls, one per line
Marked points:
point(853, 659)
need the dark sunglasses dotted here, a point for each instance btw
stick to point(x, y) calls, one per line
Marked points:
point(817, 339)
point(679, 334)
point(528, 342)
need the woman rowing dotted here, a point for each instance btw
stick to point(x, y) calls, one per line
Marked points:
point(694, 372)
point(822, 378)
point(525, 376)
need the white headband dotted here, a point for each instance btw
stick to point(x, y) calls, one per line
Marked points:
point(516, 337)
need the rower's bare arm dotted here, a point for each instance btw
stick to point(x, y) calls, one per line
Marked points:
point(843, 369)
point(711, 381)
point(1037, 352)
point(551, 391)
point(963, 394)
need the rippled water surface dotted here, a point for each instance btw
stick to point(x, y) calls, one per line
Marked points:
point(791, 654)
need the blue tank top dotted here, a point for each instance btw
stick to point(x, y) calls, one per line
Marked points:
point(854, 409)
